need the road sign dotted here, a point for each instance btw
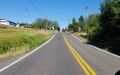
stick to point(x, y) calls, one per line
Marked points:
point(79, 29)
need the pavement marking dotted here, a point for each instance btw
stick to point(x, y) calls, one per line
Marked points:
point(103, 51)
point(87, 69)
point(27, 54)
point(77, 38)
point(97, 48)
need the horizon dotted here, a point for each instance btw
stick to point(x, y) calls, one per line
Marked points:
point(61, 11)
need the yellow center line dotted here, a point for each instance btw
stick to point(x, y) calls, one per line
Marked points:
point(80, 60)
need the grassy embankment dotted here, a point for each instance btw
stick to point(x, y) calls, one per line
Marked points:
point(83, 36)
point(16, 41)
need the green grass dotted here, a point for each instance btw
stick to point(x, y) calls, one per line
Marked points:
point(83, 36)
point(15, 41)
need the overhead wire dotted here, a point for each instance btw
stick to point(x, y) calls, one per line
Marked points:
point(41, 12)
point(36, 8)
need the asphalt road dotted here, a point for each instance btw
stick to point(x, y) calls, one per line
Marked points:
point(62, 55)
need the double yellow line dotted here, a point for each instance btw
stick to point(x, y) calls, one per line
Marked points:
point(87, 69)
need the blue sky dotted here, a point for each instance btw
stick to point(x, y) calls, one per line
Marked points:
point(56, 10)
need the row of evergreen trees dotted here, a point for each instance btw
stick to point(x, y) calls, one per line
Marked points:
point(74, 25)
point(104, 28)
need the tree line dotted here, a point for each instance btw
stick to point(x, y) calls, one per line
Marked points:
point(75, 24)
point(103, 28)
point(40, 23)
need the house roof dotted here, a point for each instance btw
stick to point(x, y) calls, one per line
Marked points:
point(4, 20)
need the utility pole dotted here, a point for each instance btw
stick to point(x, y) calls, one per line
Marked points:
point(87, 19)
point(46, 24)
point(68, 24)
point(26, 17)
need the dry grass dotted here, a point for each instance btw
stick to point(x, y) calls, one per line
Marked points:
point(13, 52)
point(82, 35)
point(3, 26)
point(14, 34)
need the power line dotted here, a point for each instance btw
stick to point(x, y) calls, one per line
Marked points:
point(36, 8)
point(62, 20)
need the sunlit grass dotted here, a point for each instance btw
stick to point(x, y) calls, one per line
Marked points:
point(83, 36)
point(15, 41)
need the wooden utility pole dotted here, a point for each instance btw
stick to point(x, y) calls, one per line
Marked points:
point(68, 24)
point(87, 19)
point(26, 17)
point(46, 24)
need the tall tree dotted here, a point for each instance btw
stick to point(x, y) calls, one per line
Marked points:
point(81, 19)
point(81, 22)
point(93, 27)
point(110, 24)
point(73, 20)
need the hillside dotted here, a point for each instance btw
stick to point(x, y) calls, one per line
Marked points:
point(15, 41)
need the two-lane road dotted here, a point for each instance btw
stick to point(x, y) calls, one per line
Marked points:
point(64, 55)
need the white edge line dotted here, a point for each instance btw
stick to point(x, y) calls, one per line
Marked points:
point(77, 38)
point(27, 54)
point(103, 51)
point(97, 48)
